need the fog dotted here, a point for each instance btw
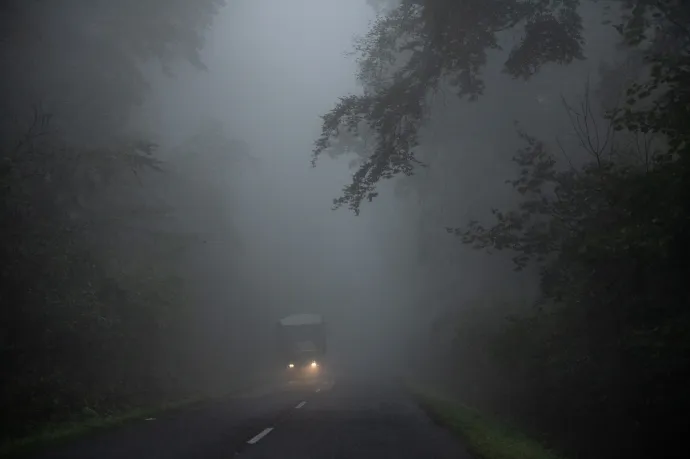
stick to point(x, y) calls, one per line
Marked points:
point(164, 212)
point(272, 69)
point(272, 244)
point(270, 88)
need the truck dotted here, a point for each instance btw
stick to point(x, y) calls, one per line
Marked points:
point(301, 341)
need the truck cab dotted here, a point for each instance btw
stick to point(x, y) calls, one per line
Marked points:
point(302, 345)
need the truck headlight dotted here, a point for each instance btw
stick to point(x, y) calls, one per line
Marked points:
point(291, 365)
point(314, 364)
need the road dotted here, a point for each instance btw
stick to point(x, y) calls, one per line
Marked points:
point(337, 419)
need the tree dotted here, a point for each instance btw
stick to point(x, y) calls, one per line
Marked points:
point(57, 294)
point(611, 241)
point(609, 238)
point(414, 47)
point(85, 291)
point(84, 61)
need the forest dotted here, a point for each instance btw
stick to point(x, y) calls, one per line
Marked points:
point(96, 289)
point(521, 166)
point(601, 215)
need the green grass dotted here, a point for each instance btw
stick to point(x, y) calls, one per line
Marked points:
point(485, 438)
point(60, 433)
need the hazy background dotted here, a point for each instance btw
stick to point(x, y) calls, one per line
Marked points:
point(273, 69)
point(235, 139)
point(162, 214)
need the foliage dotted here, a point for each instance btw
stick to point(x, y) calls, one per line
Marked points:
point(85, 61)
point(611, 338)
point(59, 303)
point(414, 47)
point(486, 438)
point(95, 317)
point(607, 346)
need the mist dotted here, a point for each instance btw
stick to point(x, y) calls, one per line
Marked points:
point(462, 192)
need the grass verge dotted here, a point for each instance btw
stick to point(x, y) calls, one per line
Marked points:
point(53, 435)
point(485, 438)
point(60, 433)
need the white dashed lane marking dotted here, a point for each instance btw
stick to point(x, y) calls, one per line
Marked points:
point(268, 430)
point(261, 435)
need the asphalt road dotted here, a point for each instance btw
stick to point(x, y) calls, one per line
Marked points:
point(330, 420)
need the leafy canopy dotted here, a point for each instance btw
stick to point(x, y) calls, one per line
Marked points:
point(420, 44)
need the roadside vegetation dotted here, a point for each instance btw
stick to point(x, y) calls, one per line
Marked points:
point(101, 319)
point(484, 438)
point(49, 436)
point(598, 364)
